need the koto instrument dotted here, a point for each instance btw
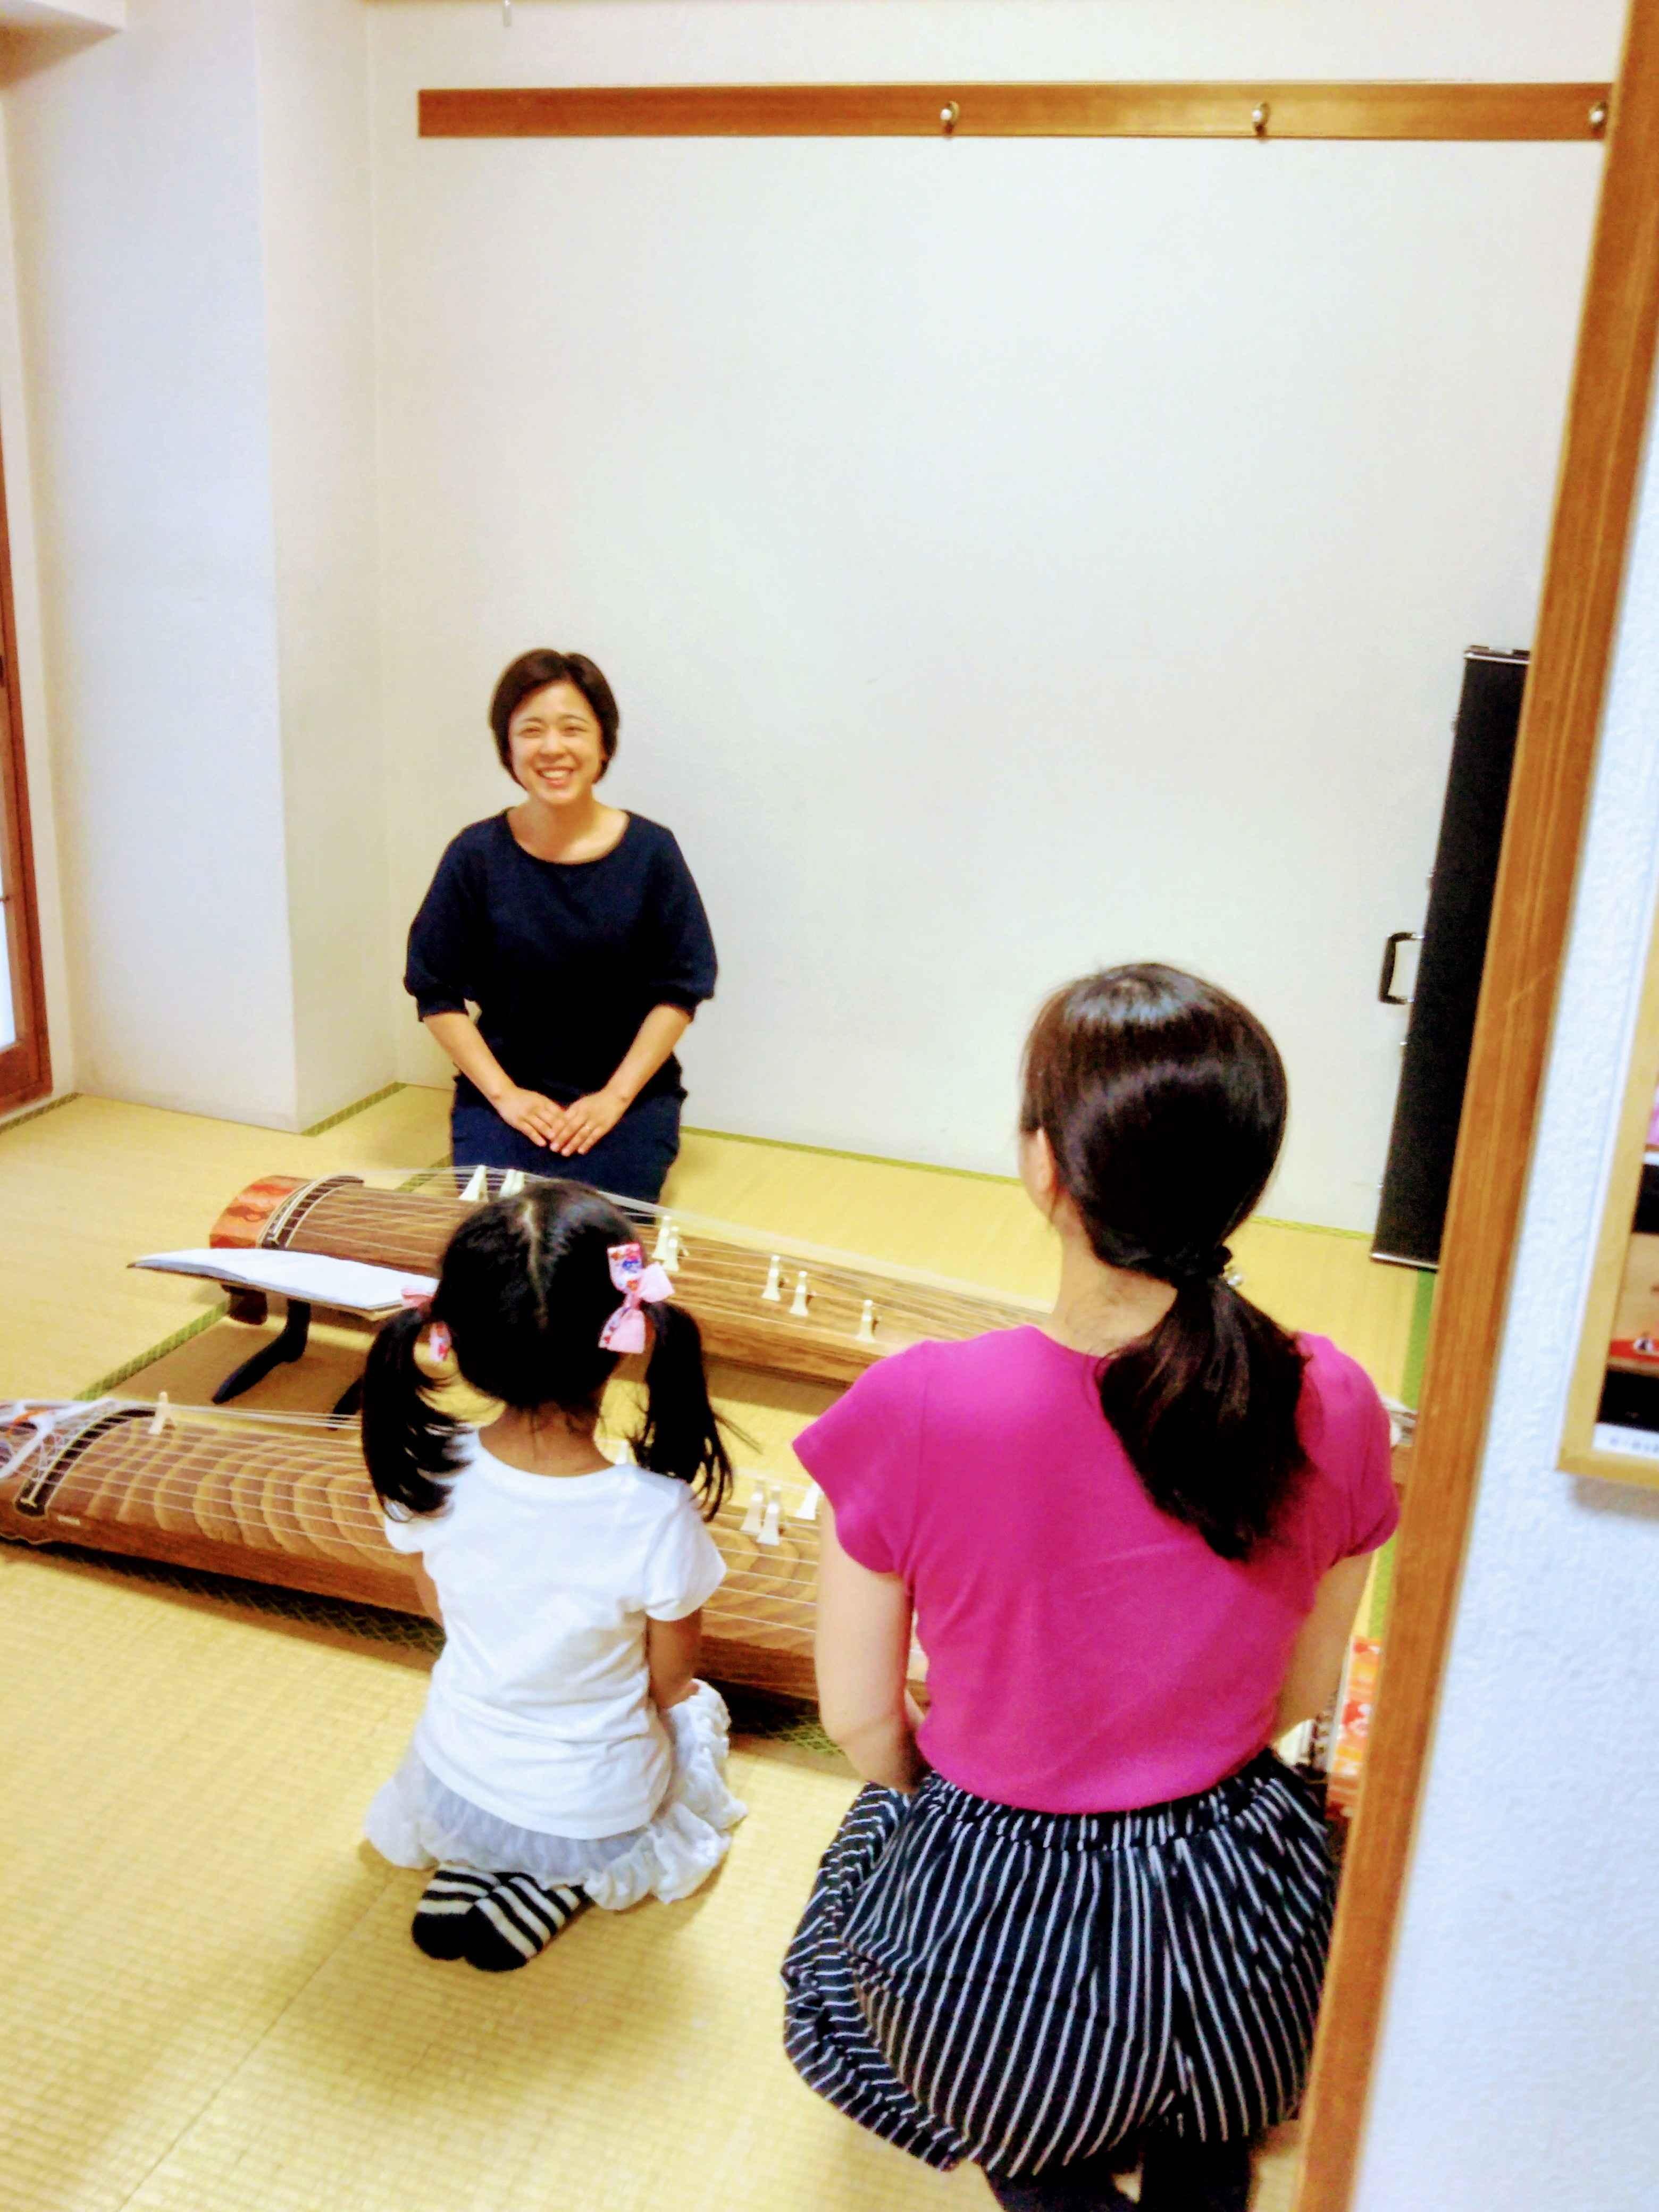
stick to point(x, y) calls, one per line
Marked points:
point(285, 1498)
point(789, 1308)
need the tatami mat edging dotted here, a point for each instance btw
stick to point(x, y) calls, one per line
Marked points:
point(33, 1113)
point(349, 1113)
point(129, 1368)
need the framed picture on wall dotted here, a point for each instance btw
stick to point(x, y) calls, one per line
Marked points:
point(1612, 1413)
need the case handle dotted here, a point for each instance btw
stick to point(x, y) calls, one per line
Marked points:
point(1385, 990)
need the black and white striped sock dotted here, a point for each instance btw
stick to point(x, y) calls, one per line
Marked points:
point(439, 1927)
point(517, 1921)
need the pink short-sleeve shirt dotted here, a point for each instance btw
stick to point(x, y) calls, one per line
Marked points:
point(1086, 1652)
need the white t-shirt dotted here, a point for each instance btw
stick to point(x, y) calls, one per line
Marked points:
point(540, 1709)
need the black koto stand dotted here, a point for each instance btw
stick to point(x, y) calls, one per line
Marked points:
point(283, 1348)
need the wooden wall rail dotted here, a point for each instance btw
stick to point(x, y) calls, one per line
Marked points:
point(1554, 767)
point(1261, 110)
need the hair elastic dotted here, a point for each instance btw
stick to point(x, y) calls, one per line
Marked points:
point(438, 1345)
point(638, 1283)
point(1176, 1267)
point(1207, 1267)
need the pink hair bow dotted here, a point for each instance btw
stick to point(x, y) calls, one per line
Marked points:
point(640, 1284)
point(437, 1336)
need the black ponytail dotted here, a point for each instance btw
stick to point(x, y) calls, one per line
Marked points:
point(1205, 1404)
point(681, 1436)
point(1163, 1103)
point(409, 1446)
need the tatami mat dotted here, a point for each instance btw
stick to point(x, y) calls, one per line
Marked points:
point(984, 1230)
point(211, 2000)
point(91, 1185)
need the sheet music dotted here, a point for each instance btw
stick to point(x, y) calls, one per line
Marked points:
point(352, 1286)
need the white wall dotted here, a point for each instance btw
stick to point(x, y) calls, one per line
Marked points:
point(65, 14)
point(194, 233)
point(134, 175)
point(314, 170)
point(1010, 558)
point(808, 41)
point(1518, 2065)
point(195, 241)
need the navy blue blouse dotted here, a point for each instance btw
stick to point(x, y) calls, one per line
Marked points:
point(563, 959)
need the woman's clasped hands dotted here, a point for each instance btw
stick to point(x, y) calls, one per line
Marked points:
point(569, 1130)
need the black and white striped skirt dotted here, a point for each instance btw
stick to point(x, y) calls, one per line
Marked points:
point(970, 1981)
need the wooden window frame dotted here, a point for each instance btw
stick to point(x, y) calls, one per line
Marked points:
point(25, 1065)
point(1554, 768)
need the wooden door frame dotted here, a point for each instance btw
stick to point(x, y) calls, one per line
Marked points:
point(25, 1065)
point(1554, 771)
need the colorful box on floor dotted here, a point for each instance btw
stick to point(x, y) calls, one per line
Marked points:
point(1357, 1694)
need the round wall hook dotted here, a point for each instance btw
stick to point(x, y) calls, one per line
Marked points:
point(1259, 115)
point(949, 115)
point(1598, 117)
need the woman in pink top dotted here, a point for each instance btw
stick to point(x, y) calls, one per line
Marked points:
point(1077, 1919)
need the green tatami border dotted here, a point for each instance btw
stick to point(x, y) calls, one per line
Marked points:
point(117, 1376)
point(1376, 1614)
point(316, 1129)
point(1417, 1347)
point(33, 1113)
point(363, 1105)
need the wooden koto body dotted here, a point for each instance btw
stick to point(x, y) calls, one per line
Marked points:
point(855, 1310)
point(284, 1498)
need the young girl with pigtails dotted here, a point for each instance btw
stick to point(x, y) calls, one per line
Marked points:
point(568, 1755)
point(1077, 1921)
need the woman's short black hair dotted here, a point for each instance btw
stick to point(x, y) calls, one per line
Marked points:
point(533, 672)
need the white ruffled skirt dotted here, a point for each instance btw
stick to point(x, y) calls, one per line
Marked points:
point(417, 1821)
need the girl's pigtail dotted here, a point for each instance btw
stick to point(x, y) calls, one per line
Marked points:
point(1205, 1404)
point(409, 1446)
point(681, 1436)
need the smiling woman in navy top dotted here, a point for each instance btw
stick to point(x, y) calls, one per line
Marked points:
point(576, 931)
